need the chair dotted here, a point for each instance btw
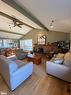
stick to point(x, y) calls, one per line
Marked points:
point(14, 72)
point(20, 54)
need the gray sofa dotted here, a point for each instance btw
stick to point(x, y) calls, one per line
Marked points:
point(20, 54)
point(14, 71)
point(63, 70)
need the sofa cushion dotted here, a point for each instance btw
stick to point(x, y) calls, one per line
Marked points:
point(20, 63)
point(12, 67)
point(12, 57)
point(67, 59)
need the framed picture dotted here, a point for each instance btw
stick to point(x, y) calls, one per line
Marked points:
point(41, 39)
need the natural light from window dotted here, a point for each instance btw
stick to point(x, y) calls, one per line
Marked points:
point(26, 44)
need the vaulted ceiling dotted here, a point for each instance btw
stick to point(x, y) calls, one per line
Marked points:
point(8, 17)
point(47, 10)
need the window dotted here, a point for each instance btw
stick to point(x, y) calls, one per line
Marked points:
point(8, 43)
point(26, 44)
point(0, 43)
point(21, 44)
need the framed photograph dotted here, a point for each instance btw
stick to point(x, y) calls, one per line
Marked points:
point(41, 39)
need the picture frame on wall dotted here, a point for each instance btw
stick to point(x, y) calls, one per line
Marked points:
point(41, 39)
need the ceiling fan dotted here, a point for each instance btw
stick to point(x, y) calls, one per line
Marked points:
point(16, 22)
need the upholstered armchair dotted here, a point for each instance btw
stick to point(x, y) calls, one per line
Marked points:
point(14, 72)
point(20, 54)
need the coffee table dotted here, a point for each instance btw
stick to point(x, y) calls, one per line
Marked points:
point(36, 59)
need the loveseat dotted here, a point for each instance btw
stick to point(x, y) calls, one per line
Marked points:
point(14, 71)
point(60, 66)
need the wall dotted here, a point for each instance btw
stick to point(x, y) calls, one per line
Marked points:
point(70, 42)
point(34, 35)
point(51, 36)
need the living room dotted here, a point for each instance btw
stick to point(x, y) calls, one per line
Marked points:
point(35, 47)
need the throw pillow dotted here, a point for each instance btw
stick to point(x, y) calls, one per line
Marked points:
point(67, 55)
point(67, 59)
point(60, 55)
point(58, 61)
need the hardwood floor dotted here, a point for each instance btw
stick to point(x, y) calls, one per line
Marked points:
point(39, 83)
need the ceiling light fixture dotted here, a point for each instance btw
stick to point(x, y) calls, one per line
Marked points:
point(51, 24)
point(10, 26)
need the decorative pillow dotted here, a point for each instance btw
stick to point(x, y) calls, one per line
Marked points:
point(67, 59)
point(67, 55)
point(58, 61)
point(58, 58)
point(60, 55)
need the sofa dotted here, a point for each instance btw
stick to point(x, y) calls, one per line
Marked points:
point(60, 66)
point(20, 54)
point(14, 71)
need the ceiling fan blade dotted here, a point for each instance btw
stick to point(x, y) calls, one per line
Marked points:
point(14, 22)
point(19, 26)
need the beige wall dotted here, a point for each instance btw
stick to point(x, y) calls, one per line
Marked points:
point(34, 35)
point(70, 42)
point(51, 36)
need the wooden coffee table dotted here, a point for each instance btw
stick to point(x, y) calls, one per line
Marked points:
point(36, 59)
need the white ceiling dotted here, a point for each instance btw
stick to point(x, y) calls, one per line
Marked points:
point(48, 10)
point(8, 25)
point(9, 35)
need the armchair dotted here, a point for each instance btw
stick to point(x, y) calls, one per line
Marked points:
point(14, 72)
point(20, 54)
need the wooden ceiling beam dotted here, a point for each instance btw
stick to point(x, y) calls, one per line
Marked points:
point(13, 18)
point(10, 32)
point(25, 12)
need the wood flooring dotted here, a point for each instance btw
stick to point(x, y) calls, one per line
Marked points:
point(39, 83)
